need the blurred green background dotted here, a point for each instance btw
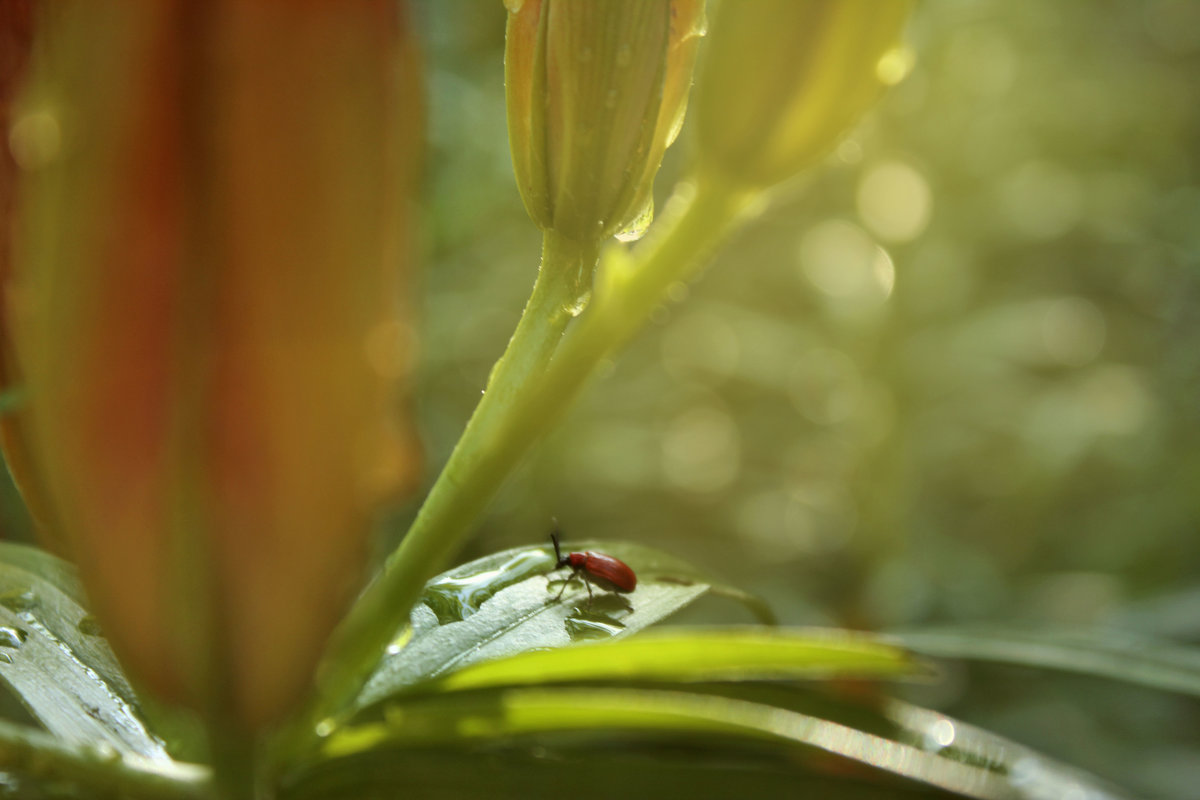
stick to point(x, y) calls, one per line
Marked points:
point(953, 376)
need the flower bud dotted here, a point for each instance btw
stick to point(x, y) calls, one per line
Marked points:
point(782, 79)
point(596, 91)
point(206, 301)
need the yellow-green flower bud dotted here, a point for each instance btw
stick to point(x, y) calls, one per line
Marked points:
point(782, 79)
point(596, 91)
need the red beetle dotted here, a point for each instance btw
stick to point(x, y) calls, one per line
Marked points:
point(607, 572)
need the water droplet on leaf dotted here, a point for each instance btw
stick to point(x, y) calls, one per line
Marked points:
point(12, 637)
point(636, 228)
point(576, 308)
point(454, 598)
point(18, 599)
point(585, 624)
point(106, 753)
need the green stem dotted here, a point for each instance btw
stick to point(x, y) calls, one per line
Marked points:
point(234, 759)
point(470, 478)
point(628, 293)
point(526, 393)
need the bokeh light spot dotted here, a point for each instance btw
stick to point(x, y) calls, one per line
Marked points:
point(35, 139)
point(841, 260)
point(894, 201)
point(940, 734)
point(895, 65)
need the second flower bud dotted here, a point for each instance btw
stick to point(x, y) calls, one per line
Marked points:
point(596, 91)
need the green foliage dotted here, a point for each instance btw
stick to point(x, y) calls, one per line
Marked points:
point(53, 658)
point(1002, 439)
point(456, 626)
point(699, 708)
point(1108, 653)
point(951, 379)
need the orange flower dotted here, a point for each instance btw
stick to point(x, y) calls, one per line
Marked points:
point(207, 311)
point(783, 79)
point(596, 91)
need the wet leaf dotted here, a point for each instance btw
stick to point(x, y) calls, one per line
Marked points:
point(35, 765)
point(1026, 772)
point(505, 604)
point(690, 655)
point(584, 726)
point(55, 662)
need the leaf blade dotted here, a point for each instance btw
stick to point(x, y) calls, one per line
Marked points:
point(1106, 653)
point(695, 655)
point(983, 766)
point(505, 604)
point(30, 757)
point(53, 659)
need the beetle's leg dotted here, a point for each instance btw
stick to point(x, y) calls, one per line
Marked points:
point(588, 584)
point(566, 581)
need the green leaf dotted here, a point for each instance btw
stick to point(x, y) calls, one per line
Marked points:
point(694, 655)
point(559, 722)
point(1105, 653)
point(57, 664)
point(505, 604)
point(1027, 773)
point(48, 567)
point(36, 764)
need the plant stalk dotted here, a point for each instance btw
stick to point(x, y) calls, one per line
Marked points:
point(526, 394)
point(469, 479)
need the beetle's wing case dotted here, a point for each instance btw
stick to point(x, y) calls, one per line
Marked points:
point(608, 572)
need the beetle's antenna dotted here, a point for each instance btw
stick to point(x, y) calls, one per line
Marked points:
point(554, 538)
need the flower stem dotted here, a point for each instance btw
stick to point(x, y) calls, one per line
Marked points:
point(477, 466)
point(525, 395)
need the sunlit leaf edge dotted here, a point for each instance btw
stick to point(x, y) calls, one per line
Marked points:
point(698, 654)
point(499, 718)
